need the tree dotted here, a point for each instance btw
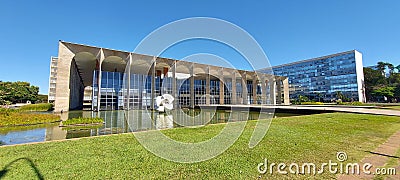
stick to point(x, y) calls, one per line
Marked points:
point(390, 67)
point(303, 99)
point(397, 92)
point(42, 98)
point(377, 85)
point(373, 79)
point(18, 92)
point(398, 68)
point(381, 67)
point(339, 95)
point(3, 100)
point(319, 95)
point(394, 79)
point(387, 92)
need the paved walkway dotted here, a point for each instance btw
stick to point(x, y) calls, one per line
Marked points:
point(379, 158)
point(351, 109)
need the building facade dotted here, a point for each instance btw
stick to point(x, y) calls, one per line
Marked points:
point(52, 79)
point(323, 77)
point(105, 79)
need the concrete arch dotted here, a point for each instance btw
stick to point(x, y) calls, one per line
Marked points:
point(141, 64)
point(86, 63)
point(83, 64)
point(113, 64)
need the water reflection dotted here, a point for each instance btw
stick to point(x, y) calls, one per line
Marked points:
point(117, 122)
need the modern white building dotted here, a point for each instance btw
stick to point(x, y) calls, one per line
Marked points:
point(106, 79)
point(323, 77)
point(52, 79)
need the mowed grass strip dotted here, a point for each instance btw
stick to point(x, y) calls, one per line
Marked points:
point(313, 138)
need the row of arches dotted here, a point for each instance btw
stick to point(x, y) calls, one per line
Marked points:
point(116, 80)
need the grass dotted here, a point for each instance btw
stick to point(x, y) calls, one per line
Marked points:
point(312, 103)
point(5, 130)
point(354, 103)
point(392, 163)
point(312, 138)
point(80, 120)
point(393, 107)
point(78, 128)
point(37, 107)
point(10, 117)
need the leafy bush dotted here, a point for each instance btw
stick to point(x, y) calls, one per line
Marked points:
point(37, 107)
point(10, 117)
point(81, 120)
point(340, 102)
point(312, 103)
point(356, 103)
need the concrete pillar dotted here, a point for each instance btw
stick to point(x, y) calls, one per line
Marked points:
point(174, 92)
point(244, 89)
point(279, 91)
point(153, 82)
point(263, 91)
point(207, 96)
point(286, 99)
point(233, 97)
point(272, 92)
point(255, 83)
point(128, 88)
point(191, 79)
point(101, 58)
point(221, 90)
point(65, 57)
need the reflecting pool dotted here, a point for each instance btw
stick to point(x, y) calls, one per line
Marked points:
point(116, 122)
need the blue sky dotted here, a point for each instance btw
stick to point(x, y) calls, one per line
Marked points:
point(286, 30)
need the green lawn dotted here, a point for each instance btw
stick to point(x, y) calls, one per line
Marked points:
point(393, 107)
point(313, 138)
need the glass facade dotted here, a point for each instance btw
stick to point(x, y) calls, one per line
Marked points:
point(321, 78)
point(105, 79)
point(111, 94)
point(143, 88)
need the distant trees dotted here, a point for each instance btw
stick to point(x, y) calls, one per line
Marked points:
point(339, 95)
point(42, 98)
point(17, 92)
point(378, 87)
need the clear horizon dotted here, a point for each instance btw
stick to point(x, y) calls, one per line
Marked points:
point(287, 31)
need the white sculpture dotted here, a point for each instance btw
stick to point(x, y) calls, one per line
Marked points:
point(164, 101)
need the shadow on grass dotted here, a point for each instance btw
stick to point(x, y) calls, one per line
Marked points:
point(376, 153)
point(3, 172)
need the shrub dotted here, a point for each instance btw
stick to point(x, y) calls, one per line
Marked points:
point(312, 103)
point(356, 103)
point(10, 117)
point(81, 120)
point(339, 102)
point(37, 107)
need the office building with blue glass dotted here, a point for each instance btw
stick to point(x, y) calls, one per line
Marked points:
point(323, 77)
point(106, 79)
